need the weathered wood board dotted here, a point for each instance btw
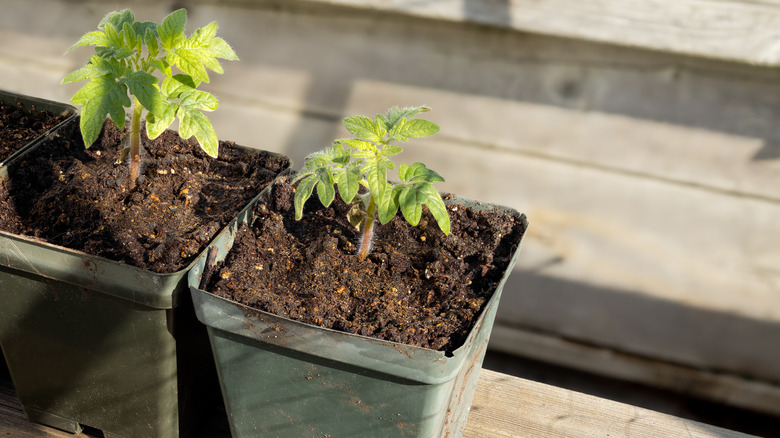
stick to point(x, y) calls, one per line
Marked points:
point(735, 30)
point(504, 406)
point(651, 180)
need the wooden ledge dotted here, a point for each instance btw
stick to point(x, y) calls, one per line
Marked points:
point(504, 406)
point(733, 30)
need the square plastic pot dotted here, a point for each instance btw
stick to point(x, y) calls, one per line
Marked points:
point(28, 103)
point(282, 378)
point(90, 341)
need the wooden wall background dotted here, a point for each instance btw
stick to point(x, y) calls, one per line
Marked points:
point(640, 138)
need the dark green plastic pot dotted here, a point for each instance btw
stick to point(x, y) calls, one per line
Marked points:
point(30, 104)
point(282, 378)
point(89, 341)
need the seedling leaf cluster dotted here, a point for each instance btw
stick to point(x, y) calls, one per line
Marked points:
point(364, 161)
point(121, 74)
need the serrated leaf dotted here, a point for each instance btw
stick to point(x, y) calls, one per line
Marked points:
point(362, 127)
point(201, 37)
point(94, 38)
point(142, 85)
point(202, 100)
point(325, 190)
point(339, 155)
point(96, 67)
point(199, 52)
point(222, 49)
point(141, 27)
point(395, 114)
point(418, 172)
point(349, 182)
point(391, 149)
point(117, 19)
point(113, 52)
point(384, 121)
point(376, 177)
point(302, 193)
point(114, 37)
point(129, 36)
point(157, 125)
point(360, 145)
point(407, 129)
point(173, 86)
point(387, 205)
point(194, 123)
point(171, 30)
point(150, 39)
point(411, 199)
point(100, 97)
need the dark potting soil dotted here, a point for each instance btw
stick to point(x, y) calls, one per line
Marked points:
point(79, 198)
point(19, 126)
point(417, 286)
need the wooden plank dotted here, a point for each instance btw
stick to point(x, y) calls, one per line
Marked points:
point(732, 30)
point(14, 424)
point(722, 388)
point(505, 406)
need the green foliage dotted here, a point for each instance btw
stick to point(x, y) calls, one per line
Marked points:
point(128, 54)
point(364, 161)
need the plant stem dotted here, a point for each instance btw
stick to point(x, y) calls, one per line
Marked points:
point(368, 230)
point(135, 143)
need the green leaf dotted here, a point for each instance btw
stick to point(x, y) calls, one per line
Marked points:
point(199, 52)
point(130, 37)
point(101, 96)
point(171, 30)
point(349, 182)
point(412, 198)
point(117, 19)
point(339, 155)
point(325, 190)
point(387, 204)
point(157, 125)
point(150, 39)
point(376, 177)
point(142, 85)
point(94, 38)
point(362, 127)
point(302, 193)
point(391, 149)
point(96, 67)
point(203, 36)
point(173, 86)
point(221, 49)
point(407, 129)
point(418, 172)
point(395, 114)
point(194, 123)
point(202, 100)
point(114, 37)
point(360, 145)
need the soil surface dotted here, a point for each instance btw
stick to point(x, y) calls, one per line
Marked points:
point(417, 286)
point(79, 198)
point(19, 126)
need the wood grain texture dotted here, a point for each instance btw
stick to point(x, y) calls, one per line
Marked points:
point(724, 388)
point(733, 30)
point(506, 406)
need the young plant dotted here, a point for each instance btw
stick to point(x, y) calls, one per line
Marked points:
point(121, 74)
point(364, 162)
